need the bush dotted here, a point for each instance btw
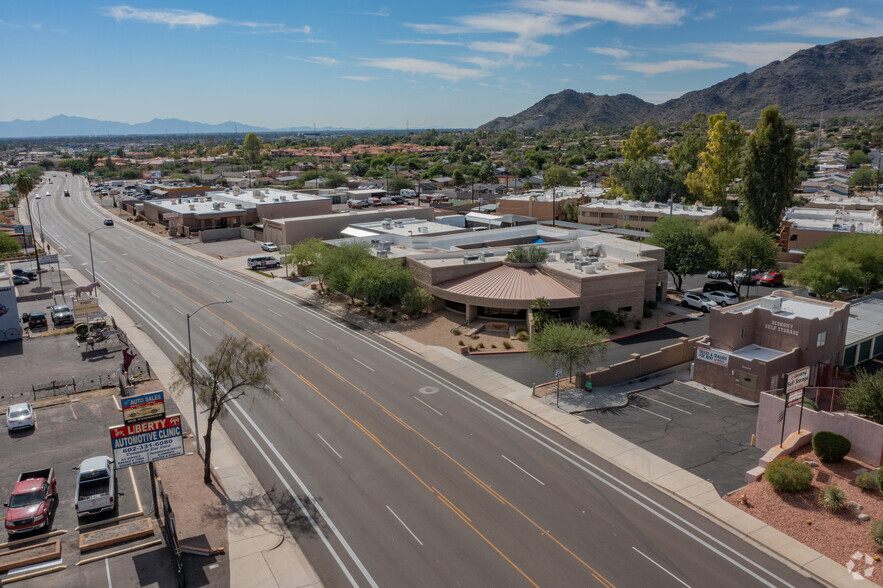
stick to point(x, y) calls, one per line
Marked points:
point(507, 345)
point(460, 343)
point(830, 447)
point(786, 474)
point(605, 319)
point(648, 313)
point(637, 324)
point(651, 304)
point(880, 479)
point(876, 533)
point(416, 301)
point(832, 498)
point(867, 481)
point(522, 335)
point(456, 332)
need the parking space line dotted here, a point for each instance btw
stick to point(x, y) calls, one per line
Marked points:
point(116, 402)
point(663, 403)
point(72, 411)
point(107, 567)
point(682, 398)
point(135, 486)
point(651, 412)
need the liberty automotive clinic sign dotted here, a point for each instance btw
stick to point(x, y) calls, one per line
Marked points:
point(148, 441)
point(712, 356)
point(143, 407)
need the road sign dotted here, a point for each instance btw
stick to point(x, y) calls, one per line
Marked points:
point(49, 258)
point(85, 308)
point(798, 379)
point(794, 398)
point(143, 407)
point(559, 373)
point(148, 441)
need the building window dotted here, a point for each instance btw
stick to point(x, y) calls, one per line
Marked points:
point(840, 328)
point(820, 339)
point(744, 331)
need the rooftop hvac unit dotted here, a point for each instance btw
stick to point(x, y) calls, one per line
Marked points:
point(773, 303)
point(256, 193)
point(470, 257)
point(384, 246)
point(208, 198)
point(487, 254)
point(283, 197)
point(592, 258)
point(422, 229)
point(400, 224)
point(386, 225)
point(237, 189)
point(238, 205)
point(599, 266)
point(566, 255)
point(578, 265)
point(216, 205)
point(588, 269)
point(192, 207)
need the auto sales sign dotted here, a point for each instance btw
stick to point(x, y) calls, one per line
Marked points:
point(148, 441)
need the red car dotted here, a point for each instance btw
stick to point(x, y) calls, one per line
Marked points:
point(771, 279)
point(30, 505)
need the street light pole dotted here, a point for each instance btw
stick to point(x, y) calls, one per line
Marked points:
point(33, 239)
point(40, 223)
point(190, 355)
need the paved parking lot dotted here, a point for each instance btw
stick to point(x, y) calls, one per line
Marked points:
point(65, 435)
point(704, 434)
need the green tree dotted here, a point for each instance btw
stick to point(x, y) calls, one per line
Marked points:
point(9, 246)
point(529, 254)
point(235, 368)
point(251, 148)
point(305, 255)
point(541, 316)
point(570, 210)
point(78, 166)
point(416, 301)
point(853, 261)
point(718, 162)
point(335, 179)
point(687, 248)
point(398, 183)
point(644, 180)
point(380, 282)
point(335, 266)
point(858, 157)
point(641, 144)
point(684, 155)
point(744, 246)
point(555, 176)
point(567, 345)
point(770, 172)
point(865, 395)
point(863, 178)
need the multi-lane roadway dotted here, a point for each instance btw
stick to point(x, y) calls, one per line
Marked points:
point(389, 471)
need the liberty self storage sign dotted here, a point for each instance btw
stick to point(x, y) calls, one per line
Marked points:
point(145, 442)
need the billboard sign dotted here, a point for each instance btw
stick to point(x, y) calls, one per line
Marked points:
point(798, 380)
point(712, 356)
point(144, 407)
point(151, 174)
point(85, 308)
point(148, 441)
point(794, 398)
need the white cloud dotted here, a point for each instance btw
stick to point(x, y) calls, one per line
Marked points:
point(513, 48)
point(611, 51)
point(840, 23)
point(173, 18)
point(626, 12)
point(359, 78)
point(523, 25)
point(316, 60)
point(653, 68)
point(423, 42)
point(751, 54)
point(609, 78)
point(410, 65)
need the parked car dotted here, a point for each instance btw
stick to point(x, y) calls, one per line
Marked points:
point(30, 505)
point(20, 416)
point(269, 246)
point(108, 222)
point(746, 277)
point(386, 201)
point(397, 199)
point(20, 280)
point(698, 301)
point(771, 279)
point(29, 274)
point(723, 298)
point(713, 286)
point(96, 486)
point(37, 319)
point(716, 274)
point(356, 204)
point(61, 315)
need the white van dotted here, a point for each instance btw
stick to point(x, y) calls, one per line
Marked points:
point(262, 261)
point(407, 193)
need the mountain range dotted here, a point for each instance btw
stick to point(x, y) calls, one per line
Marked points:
point(844, 78)
point(77, 126)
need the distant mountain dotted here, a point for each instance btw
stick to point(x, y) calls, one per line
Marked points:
point(844, 78)
point(77, 126)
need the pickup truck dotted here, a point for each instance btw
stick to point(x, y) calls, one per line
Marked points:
point(30, 505)
point(96, 486)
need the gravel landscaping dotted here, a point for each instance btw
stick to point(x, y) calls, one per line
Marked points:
point(842, 537)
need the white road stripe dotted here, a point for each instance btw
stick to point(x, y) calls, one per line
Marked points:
point(215, 283)
point(363, 364)
point(154, 293)
point(662, 568)
point(523, 470)
point(683, 398)
point(314, 335)
point(663, 403)
point(650, 411)
point(427, 406)
point(329, 446)
point(178, 310)
point(107, 567)
point(405, 526)
point(274, 312)
point(204, 331)
point(136, 281)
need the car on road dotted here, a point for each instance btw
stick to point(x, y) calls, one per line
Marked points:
point(20, 416)
point(61, 315)
point(37, 197)
point(698, 301)
point(771, 279)
point(723, 298)
point(29, 274)
point(67, 193)
point(30, 505)
point(108, 222)
point(716, 274)
point(20, 280)
point(748, 277)
point(269, 246)
point(714, 286)
point(36, 319)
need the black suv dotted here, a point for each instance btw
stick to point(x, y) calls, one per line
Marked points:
point(29, 274)
point(712, 286)
point(36, 319)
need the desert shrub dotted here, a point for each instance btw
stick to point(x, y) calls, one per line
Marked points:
point(480, 345)
point(460, 343)
point(637, 324)
point(605, 319)
point(474, 337)
point(651, 304)
point(522, 335)
point(786, 474)
point(493, 346)
point(648, 313)
point(876, 533)
point(456, 332)
point(830, 447)
point(832, 498)
point(471, 348)
point(867, 481)
point(507, 345)
point(880, 479)
point(416, 301)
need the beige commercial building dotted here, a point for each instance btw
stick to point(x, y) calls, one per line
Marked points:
point(637, 215)
point(752, 345)
point(289, 231)
point(540, 204)
point(803, 227)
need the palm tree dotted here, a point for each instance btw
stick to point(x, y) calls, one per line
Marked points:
point(24, 185)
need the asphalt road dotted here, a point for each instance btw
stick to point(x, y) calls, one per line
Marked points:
point(409, 476)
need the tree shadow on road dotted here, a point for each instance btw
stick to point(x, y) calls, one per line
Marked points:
point(255, 509)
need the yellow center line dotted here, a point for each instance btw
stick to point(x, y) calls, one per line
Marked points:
point(481, 484)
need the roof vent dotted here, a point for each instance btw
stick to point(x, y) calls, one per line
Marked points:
point(470, 257)
point(588, 269)
point(422, 229)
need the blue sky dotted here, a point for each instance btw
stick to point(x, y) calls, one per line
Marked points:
point(387, 64)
